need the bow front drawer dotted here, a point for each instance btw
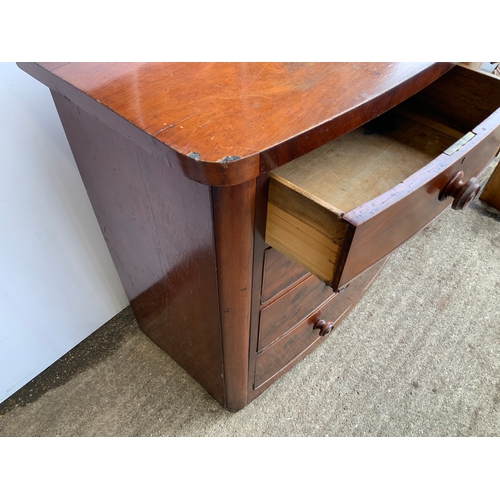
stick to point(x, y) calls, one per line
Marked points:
point(344, 206)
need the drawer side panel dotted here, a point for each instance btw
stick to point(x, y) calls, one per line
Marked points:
point(304, 230)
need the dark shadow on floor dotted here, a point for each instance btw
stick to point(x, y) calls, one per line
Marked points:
point(93, 350)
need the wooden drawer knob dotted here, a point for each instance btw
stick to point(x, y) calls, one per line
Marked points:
point(324, 327)
point(463, 193)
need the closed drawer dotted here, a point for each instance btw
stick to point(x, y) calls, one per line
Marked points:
point(298, 341)
point(284, 313)
point(280, 273)
point(341, 208)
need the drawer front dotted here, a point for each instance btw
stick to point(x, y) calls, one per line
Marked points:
point(393, 218)
point(340, 209)
point(280, 273)
point(284, 313)
point(292, 346)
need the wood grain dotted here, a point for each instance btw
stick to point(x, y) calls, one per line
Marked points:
point(280, 273)
point(284, 313)
point(191, 254)
point(304, 228)
point(234, 211)
point(308, 196)
point(259, 251)
point(366, 162)
point(383, 179)
point(159, 230)
point(211, 121)
point(290, 348)
point(461, 99)
point(395, 216)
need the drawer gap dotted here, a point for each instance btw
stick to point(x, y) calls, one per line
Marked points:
point(279, 295)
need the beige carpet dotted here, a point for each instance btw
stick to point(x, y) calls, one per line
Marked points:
point(419, 356)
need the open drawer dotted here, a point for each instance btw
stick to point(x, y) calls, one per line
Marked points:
point(344, 206)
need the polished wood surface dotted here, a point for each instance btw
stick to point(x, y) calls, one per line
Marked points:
point(397, 215)
point(324, 327)
point(308, 196)
point(291, 347)
point(460, 99)
point(282, 314)
point(213, 120)
point(314, 199)
point(176, 159)
point(280, 273)
point(462, 192)
point(234, 209)
point(158, 228)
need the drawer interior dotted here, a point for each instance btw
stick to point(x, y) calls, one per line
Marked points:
point(339, 209)
point(374, 158)
point(367, 162)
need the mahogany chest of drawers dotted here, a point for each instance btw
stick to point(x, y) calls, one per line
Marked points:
point(247, 207)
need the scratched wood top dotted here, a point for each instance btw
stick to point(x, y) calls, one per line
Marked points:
point(229, 112)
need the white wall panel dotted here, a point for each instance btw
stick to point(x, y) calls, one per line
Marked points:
point(57, 281)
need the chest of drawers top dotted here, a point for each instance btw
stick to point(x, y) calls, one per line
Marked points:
point(226, 123)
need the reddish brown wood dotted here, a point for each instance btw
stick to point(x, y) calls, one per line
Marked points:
point(191, 256)
point(212, 120)
point(292, 347)
point(324, 327)
point(284, 313)
point(260, 246)
point(353, 114)
point(158, 227)
point(389, 220)
point(460, 99)
point(234, 209)
point(280, 273)
point(463, 193)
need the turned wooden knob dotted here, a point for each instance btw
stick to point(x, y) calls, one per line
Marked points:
point(462, 192)
point(324, 327)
